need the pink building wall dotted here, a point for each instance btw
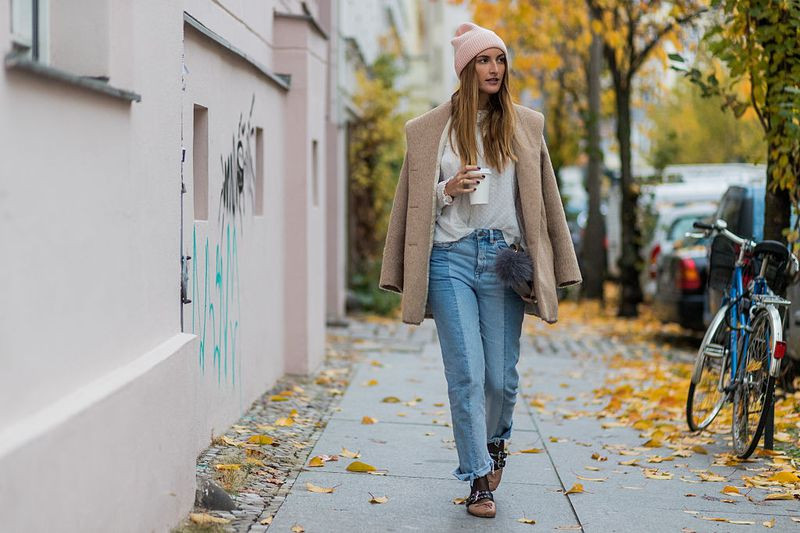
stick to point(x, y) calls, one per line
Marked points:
point(105, 399)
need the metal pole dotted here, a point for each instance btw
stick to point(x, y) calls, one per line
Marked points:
point(769, 425)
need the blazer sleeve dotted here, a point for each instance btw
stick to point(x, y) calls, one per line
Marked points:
point(565, 263)
point(394, 247)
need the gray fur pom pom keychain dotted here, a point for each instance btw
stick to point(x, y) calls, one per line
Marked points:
point(513, 266)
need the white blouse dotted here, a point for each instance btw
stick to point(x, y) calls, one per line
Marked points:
point(460, 218)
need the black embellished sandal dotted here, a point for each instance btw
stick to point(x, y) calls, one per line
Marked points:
point(498, 454)
point(481, 503)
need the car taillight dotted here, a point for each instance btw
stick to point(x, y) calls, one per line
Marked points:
point(653, 258)
point(688, 276)
point(780, 349)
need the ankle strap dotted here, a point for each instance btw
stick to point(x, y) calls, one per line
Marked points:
point(479, 495)
point(499, 458)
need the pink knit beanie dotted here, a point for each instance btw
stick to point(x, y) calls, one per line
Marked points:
point(470, 40)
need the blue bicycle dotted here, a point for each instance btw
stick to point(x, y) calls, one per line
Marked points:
point(741, 352)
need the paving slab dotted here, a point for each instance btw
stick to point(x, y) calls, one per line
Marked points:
point(414, 505)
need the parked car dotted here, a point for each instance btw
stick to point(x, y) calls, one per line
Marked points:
point(742, 208)
point(681, 281)
point(671, 225)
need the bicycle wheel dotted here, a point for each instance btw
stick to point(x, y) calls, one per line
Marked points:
point(753, 395)
point(706, 396)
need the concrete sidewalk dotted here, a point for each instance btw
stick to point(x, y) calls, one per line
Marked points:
point(412, 443)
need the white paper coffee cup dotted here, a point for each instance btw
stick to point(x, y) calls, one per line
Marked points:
point(481, 193)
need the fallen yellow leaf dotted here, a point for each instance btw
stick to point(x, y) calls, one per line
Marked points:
point(230, 442)
point(314, 488)
point(316, 461)
point(768, 523)
point(297, 528)
point(204, 519)
point(391, 399)
point(378, 499)
point(228, 466)
point(730, 489)
point(260, 439)
point(358, 466)
point(655, 474)
point(370, 383)
point(347, 453)
point(597, 457)
point(288, 421)
point(577, 488)
point(277, 398)
point(526, 520)
point(753, 366)
point(591, 478)
point(785, 477)
point(532, 450)
point(779, 496)
point(710, 476)
point(267, 521)
point(368, 420)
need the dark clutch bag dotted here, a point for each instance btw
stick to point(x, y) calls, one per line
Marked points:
point(514, 268)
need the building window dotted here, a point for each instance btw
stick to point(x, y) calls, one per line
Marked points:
point(200, 162)
point(30, 29)
point(74, 36)
point(259, 171)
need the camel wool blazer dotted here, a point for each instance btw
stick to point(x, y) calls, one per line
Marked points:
point(409, 239)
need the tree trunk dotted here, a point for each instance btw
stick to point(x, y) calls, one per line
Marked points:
point(593, 251)
point(630, 290)
point(777, 202)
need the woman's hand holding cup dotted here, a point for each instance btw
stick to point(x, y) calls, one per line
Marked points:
point(465, 181)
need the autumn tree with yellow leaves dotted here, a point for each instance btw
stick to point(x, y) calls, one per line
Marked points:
point(757, 40)
point(375, 156)
point(632, 32)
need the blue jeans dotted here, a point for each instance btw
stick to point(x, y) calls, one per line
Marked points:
point(479, 323)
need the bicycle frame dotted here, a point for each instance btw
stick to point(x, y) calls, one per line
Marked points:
point(739, 321)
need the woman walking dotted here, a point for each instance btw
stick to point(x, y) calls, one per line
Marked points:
point(477, 180)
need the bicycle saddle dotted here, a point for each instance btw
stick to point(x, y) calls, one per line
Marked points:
point(774, 248)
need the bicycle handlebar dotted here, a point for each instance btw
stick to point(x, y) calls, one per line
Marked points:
point(702, 225)
point(724, 231)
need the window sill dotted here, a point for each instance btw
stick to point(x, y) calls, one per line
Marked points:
point(15, 61)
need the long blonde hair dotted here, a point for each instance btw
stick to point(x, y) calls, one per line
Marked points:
point(497, 128)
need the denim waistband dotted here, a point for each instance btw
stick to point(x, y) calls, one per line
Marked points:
point(491, 235)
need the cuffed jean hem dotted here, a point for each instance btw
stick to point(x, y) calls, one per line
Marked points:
point(474, 475)
point(505, 436)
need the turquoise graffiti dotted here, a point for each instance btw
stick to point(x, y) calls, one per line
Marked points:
point(216, 302)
